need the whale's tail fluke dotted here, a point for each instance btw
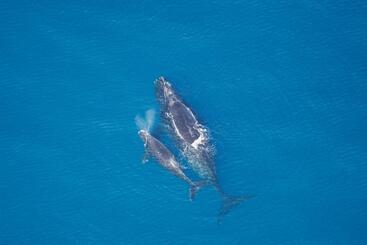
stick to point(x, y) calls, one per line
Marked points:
point(195, 187)
point(145, 123)
point(229, 202)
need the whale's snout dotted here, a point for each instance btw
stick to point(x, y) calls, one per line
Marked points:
point(160, 81)
point(143, 134)
point(163, 88)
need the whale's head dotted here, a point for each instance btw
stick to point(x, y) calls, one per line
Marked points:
point(143, 135)
point(164, 90)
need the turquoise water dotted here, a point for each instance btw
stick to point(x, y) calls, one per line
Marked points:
point(282, 85)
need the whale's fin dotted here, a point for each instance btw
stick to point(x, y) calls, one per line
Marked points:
point(229, 202)
point(195, 187)
point(146, 157)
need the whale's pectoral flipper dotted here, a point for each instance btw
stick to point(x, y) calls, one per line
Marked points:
point(146, 156)
point(230, 202)
point(195, 187)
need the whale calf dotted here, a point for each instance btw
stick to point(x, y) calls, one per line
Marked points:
point(157, 150)
point(192, 139)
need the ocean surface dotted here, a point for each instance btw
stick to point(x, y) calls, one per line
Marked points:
point(282, 85)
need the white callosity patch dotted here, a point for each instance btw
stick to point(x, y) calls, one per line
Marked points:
point(167, 90)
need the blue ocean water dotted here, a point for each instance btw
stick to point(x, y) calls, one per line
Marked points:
point(282, 85)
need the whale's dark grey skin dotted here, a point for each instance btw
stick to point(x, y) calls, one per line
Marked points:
point(193, 139)
point(165, 158)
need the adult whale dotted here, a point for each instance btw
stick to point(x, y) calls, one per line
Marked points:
point(157, 150)
point(192, 139)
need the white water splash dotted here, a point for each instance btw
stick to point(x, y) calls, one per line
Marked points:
point(149, 117)
point(147, 122)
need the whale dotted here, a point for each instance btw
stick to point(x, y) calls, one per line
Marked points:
point(157, 150)
point(193, 139)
